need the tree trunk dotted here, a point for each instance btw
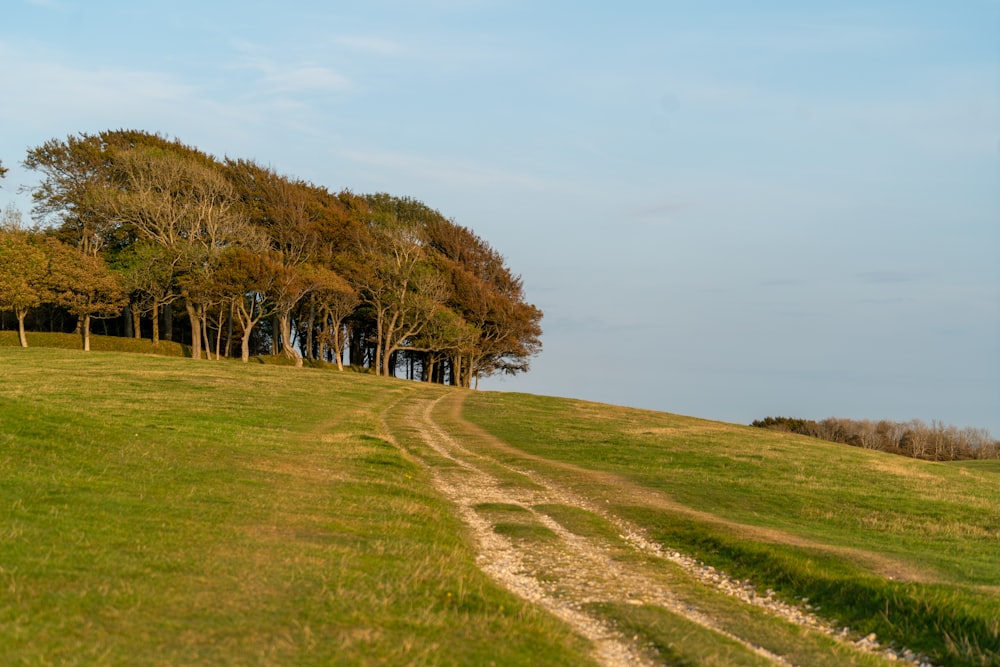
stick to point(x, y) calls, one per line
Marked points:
point(310, 351)
point(83, 323)
point(229, 328)
point(275, 335)
point(203, 312)
point(168, 321)
point(378, 345)
point(192, 312)
point(21, 314)
point(218, 335)
point(136, 321)
point(245, 345)
point(126, 318)
point(286, 339)
point(338, 346)
point(156, 321)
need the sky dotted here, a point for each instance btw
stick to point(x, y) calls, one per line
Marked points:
point(725, 209)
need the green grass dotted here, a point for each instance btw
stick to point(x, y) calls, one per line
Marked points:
point(167, 511)
point(807, 518)
point(158, 510)
point(66, 341)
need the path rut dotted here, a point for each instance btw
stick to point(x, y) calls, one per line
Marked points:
point(570, 574)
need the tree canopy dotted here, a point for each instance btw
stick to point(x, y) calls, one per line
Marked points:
point(260, 263)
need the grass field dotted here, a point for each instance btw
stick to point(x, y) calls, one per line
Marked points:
point(156, 513)
point(163, 511)
point(904, 548)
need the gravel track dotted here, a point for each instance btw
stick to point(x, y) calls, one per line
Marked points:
point(567, 574)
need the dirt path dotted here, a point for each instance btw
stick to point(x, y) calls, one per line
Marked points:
point(570, 574)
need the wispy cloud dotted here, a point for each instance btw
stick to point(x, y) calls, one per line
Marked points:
point(884, 276)
point(370, 44)
point(305, 78)
point(798, 38)
point(47, 4)
point(59, 88)
point(458, 172)
point(661, 213)
point(275, 76)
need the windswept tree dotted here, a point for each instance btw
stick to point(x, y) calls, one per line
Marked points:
point(148, 274)
point(335, 300)
point(446, 337)
point(388, 274)
point(295, 218)
point(83, 285)
point(395, 278)
point(74, 173)
point(177, 200)
point(490, 299)
point(247, 279)
point(23, 269)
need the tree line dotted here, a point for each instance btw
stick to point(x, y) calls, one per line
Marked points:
point(932, 442)
point(157, 238)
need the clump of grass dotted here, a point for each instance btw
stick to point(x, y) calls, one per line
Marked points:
point(514, 521)
point(523, 531)
point(675, 640)
point(580, 521)
point(506, 508)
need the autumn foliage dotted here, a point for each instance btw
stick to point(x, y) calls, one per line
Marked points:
point(154, 237)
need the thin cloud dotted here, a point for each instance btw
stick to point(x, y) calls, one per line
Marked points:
point(370, 44)
point(801, 39)
point(275, 76)
point(57, 87)
point(883, 277)
point(47, 4)
point(457, 172)
point(661, 213)
point(305, 78)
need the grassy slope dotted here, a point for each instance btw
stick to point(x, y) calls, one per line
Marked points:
point(154, 513)
point(257, 515)
point(808, 518)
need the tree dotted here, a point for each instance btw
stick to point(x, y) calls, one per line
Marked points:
point(447, 336)
point(248, 279)
point(23, 269)
point(177, 200)
point(294, 215)
point(490, 299)
point(83, 285)
point(148, 274)
point(336, 300)
point(73, 171)
point(398, 283)
point(3, 169)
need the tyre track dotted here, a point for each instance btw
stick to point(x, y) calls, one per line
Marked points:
point(565, 575)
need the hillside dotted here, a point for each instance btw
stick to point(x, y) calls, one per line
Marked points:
point(252, 514)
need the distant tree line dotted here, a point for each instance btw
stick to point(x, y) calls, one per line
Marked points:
point(155, 238)
point(916, 439)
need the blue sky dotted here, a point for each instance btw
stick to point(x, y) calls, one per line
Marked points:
point(725, 209)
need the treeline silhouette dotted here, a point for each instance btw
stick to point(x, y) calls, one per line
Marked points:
point(917, 439)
